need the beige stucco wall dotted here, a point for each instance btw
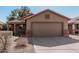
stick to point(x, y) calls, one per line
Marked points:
point(53, 18)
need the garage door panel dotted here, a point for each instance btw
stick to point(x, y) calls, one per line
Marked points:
point(46, 29)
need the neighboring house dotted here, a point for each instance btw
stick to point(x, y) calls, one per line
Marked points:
point(74, 26)
point(43, 24)
point(1, 25)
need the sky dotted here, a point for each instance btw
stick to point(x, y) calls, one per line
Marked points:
point(69, 11)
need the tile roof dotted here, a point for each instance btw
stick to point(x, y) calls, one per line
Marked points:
point(44, 11)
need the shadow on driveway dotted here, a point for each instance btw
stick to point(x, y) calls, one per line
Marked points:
point(52, 41)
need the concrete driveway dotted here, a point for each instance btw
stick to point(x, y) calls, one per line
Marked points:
point(56, 44)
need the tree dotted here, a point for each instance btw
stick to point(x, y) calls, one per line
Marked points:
point(25, 11)
point(13, 15)
point(19, 13)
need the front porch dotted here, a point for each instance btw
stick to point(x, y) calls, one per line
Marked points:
point(18, 27)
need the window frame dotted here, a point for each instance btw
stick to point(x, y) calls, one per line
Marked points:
point(47, 16)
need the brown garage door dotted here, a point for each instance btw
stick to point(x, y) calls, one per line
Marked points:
point(46, 29)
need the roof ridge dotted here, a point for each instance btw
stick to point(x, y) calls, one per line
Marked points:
point(47, 10)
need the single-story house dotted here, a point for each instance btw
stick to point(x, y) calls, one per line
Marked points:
point(43, 24)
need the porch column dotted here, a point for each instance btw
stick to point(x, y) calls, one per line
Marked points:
point(24, 28)
point(14, 29)
point(73, 28)
point(7, 27)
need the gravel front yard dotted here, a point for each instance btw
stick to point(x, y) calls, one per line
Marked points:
point(20, 45)
point(44, 44)
point(56, 44)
